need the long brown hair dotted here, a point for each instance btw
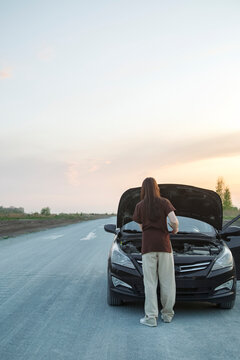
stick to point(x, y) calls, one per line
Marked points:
point(150, 194)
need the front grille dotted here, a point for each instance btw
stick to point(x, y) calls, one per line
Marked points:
point(192, 267)
point(187, 268)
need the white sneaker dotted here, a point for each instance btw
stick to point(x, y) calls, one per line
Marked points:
point(166, 318)
point(148, 321)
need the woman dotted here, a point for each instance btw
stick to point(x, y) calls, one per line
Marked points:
point(151, 213)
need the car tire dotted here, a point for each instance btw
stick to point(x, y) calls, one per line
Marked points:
point(111, 299)
point(227, 304)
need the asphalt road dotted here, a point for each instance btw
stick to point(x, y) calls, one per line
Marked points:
point(53, 306)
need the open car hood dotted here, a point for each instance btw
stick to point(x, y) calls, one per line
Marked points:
point(189, 201)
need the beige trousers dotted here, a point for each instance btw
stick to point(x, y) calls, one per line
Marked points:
point(159, 265)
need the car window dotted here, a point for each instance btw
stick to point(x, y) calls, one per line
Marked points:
point(234, 224)
point(186, 224)
point(131, 226)
point(190, 225)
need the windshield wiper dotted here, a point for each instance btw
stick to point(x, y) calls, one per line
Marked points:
point(192, 233)
point(182, 232)
point(132, 231)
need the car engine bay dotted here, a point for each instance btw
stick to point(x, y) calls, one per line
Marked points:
point(187, 247)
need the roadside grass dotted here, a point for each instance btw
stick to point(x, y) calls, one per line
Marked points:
point(13, 224)
point(61, 216)
point(231, 213)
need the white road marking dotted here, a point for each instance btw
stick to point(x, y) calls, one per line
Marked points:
point(53, 237)
point(89, 236)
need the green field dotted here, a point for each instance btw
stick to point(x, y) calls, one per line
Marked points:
point(62, 216)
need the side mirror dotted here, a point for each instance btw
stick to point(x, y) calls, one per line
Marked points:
point(231, 231)
point(111, 228)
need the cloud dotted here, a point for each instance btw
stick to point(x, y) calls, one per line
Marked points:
point(202, 149)
point(127, 163)
point(94, 168)
point(224, 48)
point(6, 73)
point(46, 53)
point(146, 155)
point(95, 184)
point(31, 181)
point(72, 173)
point(79, 171)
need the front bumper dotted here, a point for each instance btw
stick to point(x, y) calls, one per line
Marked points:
point(188, 288)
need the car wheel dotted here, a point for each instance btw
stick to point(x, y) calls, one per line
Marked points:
point(227, 305)
point(111, 299)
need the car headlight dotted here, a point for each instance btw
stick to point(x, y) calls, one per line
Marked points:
point(118, 257)
point(117, 282)
point(227, 285)
point(224, 260)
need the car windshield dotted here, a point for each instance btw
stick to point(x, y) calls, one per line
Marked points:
point(186, 225)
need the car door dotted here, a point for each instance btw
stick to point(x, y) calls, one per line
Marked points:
point(233, 242)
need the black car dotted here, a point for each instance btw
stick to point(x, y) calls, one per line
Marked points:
point(205, 253)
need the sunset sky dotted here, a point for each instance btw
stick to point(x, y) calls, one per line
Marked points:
point(97, 95)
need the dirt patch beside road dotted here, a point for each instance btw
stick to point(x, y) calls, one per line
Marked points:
point(14, 227)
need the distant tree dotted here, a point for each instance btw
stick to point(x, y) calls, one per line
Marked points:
point(224, 193)
point(45, 211)
point(220, 187)
point(227, 201)
point(11, 210)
